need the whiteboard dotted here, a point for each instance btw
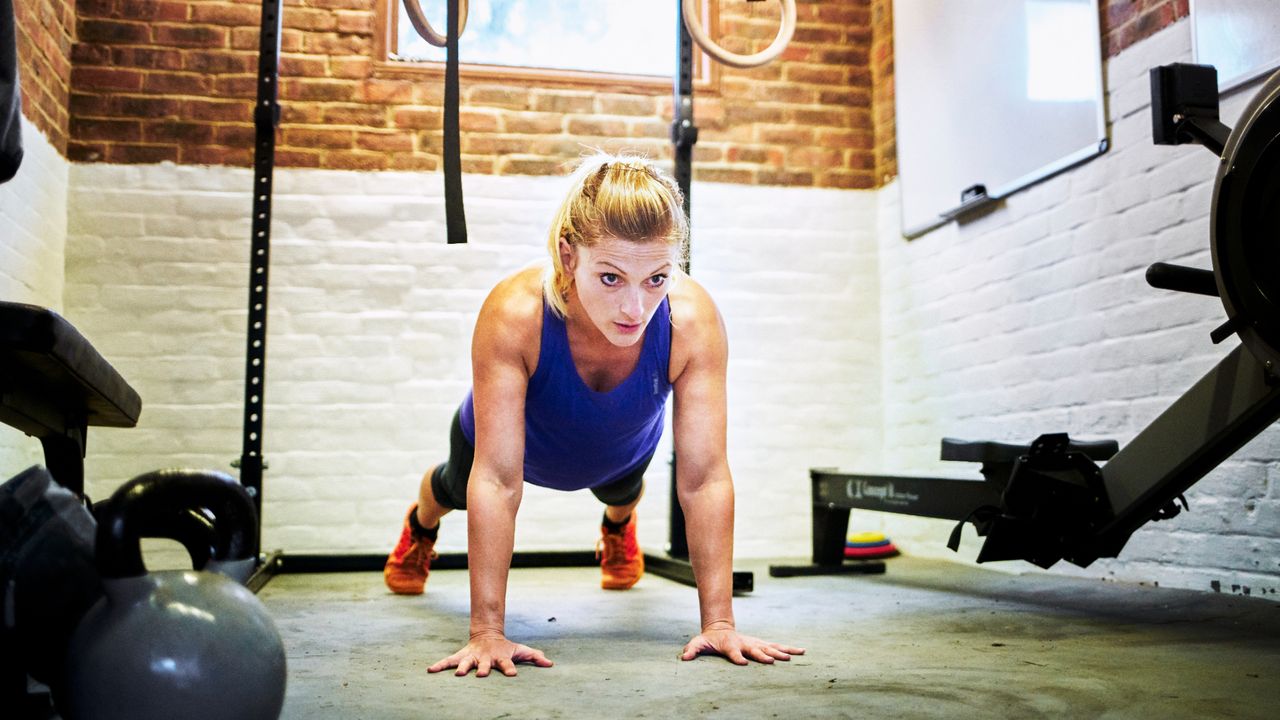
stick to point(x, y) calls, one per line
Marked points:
point(998, 93)
point(1241, 38)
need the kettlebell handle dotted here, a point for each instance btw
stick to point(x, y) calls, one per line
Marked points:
point(133, 508)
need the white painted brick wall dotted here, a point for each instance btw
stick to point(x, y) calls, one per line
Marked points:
point(33, 233)
point(851, 346)
point(369, 333)
point(1037, 318)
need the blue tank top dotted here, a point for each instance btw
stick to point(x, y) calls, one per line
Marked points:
point(576, 437)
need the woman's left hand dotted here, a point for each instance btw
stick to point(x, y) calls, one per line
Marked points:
point(737, 648)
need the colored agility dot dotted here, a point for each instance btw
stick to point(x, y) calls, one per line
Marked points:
point(869, 546)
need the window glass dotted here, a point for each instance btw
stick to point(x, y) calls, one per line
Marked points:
point(631, 37)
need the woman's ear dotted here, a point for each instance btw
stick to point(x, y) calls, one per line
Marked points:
point(568, 256)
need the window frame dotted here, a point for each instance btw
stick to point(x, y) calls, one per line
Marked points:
point(706, 74)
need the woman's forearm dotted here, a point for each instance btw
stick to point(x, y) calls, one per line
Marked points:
point(491, 523)
point(708, 509)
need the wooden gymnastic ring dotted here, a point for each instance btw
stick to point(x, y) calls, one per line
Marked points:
point(419, 21)
point(787, 29)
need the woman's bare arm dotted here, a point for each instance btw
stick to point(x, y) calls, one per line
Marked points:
point(502, 361)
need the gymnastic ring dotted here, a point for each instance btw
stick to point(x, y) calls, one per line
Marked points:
point(689, 9)
point(419, 21)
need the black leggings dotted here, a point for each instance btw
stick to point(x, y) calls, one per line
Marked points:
point(449, 481)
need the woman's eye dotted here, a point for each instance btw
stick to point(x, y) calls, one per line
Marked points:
point(657, 280)
point(609, 279)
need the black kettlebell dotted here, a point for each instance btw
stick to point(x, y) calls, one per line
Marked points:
point(175, 643)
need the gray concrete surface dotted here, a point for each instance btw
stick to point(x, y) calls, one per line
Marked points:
point(928, 639)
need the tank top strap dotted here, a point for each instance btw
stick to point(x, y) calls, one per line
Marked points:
point(659, 337)
point(554, 344)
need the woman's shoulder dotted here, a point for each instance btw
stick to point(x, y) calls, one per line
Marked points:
point(692, 308)
point(514, 306)
point(521, 291)
point(698, 336)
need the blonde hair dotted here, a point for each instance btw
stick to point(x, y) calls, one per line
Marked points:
point(619, 196)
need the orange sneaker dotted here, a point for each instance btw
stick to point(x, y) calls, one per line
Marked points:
point(621, 562)
point(409, 564)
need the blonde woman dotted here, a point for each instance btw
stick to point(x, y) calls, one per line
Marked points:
point(572, 367)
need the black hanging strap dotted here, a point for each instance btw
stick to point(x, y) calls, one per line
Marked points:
point(10, 95)
point(455, 218)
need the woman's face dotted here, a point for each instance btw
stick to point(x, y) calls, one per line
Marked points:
point(620, 283)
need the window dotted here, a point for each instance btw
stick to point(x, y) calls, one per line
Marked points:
point(578, 38)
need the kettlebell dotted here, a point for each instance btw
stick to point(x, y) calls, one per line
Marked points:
point(175, 643)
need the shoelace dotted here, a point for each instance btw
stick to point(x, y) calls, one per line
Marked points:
point(614, 548)
point(416, 551)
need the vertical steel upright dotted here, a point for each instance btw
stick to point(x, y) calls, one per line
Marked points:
point(266, 116)
point(684, 134)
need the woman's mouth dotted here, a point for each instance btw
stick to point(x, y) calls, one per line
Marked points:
point(627, 328)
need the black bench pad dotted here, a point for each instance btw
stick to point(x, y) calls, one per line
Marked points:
point(51, 376)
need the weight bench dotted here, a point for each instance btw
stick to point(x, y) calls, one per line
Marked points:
point(54, 385)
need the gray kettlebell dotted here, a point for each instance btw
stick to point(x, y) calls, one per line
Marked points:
point(175, 643)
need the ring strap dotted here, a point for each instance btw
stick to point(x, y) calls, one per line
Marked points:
point(455, 217)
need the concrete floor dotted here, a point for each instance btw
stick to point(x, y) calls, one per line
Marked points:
point(928, 639)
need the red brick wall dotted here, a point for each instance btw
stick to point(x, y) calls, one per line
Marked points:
point(1125, 22)
point(153, 80)
point(883, 114)
point(805, 120)
point(173, 80)
point(44, 63)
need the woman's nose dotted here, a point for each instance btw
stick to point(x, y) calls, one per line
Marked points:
point(632, 305)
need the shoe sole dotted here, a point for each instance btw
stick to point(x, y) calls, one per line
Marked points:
point(608, 584)
point(401, 585)
point(618, 586)
point(405, 589)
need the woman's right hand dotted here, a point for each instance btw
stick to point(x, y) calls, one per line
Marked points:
point(485, 652)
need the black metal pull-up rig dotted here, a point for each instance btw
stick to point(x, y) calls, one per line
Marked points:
point(684, 134)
